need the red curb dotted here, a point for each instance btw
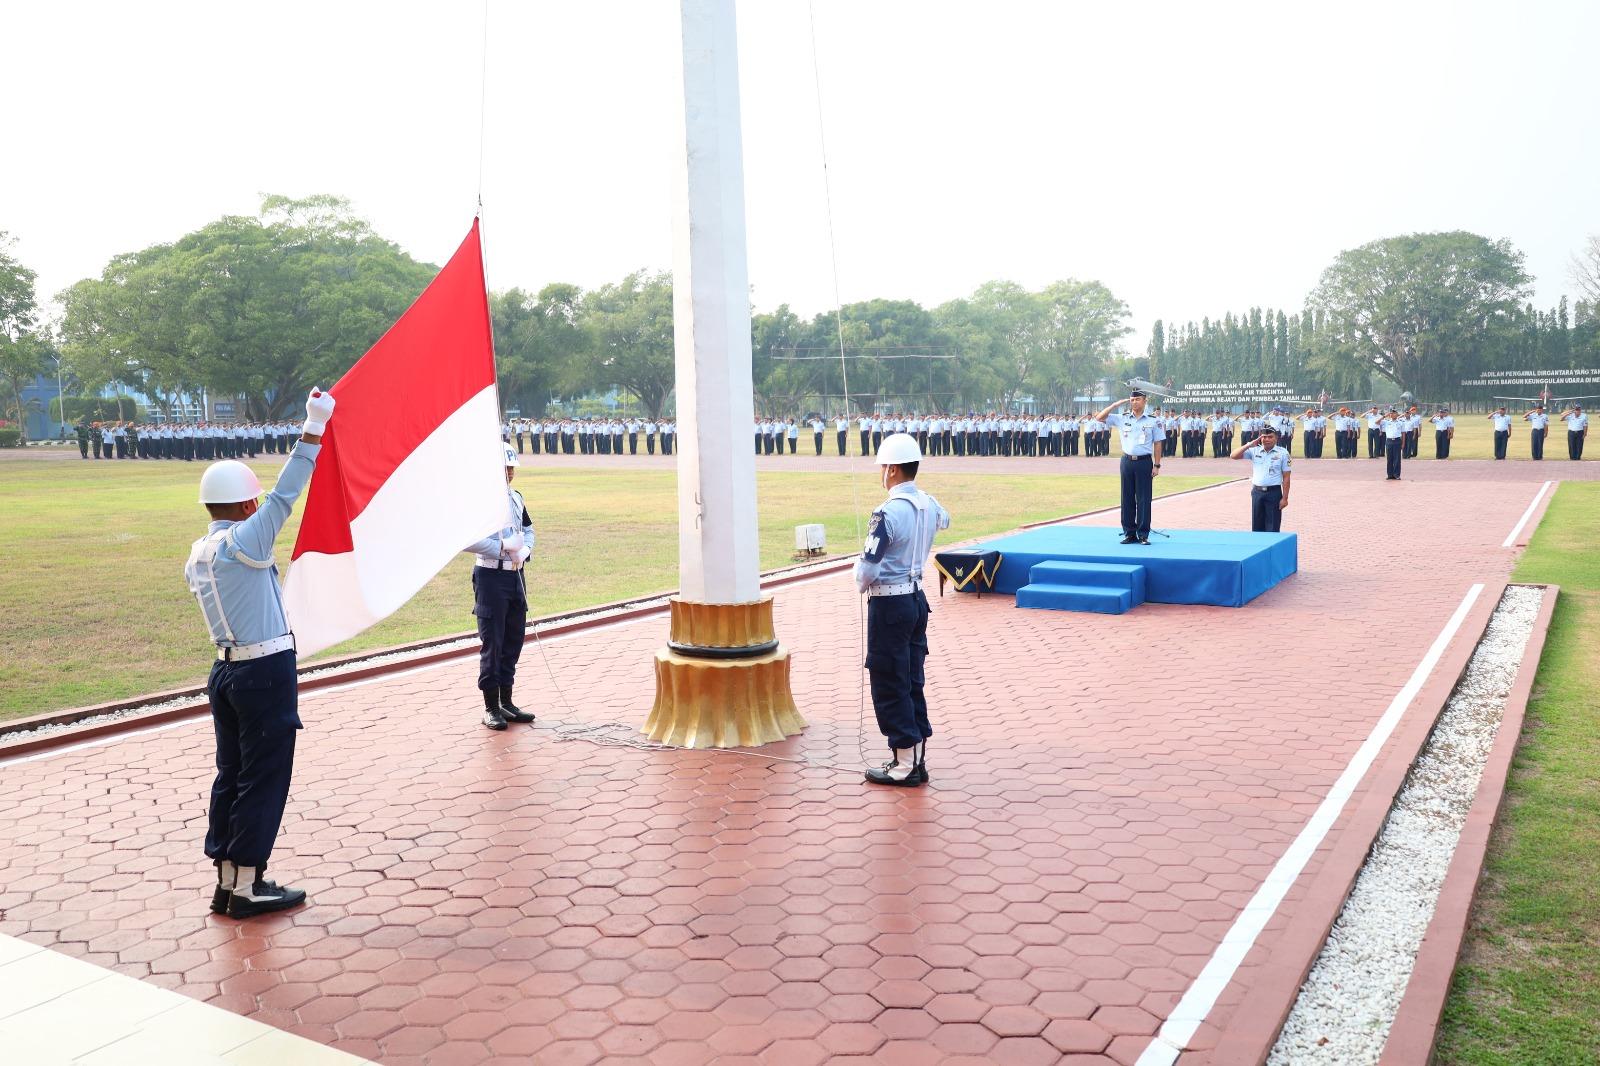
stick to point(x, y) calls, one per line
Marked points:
point(583, 618)
point(1416, 1024)
point(1253, 1030)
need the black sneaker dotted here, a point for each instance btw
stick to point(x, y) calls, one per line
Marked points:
point(219, 900)
point(493, 716)
point(881, 776)
point(263, 897)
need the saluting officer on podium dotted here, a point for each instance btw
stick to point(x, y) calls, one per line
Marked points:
point(500, 603)
point(253, 688)
point(1141, 437)
point(889, 572)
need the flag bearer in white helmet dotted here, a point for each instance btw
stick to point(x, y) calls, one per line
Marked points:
point(253, 688)
point(500, 602)
point(890, 573)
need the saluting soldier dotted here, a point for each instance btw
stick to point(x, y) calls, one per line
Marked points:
point(1374, 432)
point(1539, 421)
point(1502, 431)
point(1141, 441)
point(1577, 429)
point(253, 688)
point(1444, 429)
point(1269, 481)
point(1395, 428)
point(83, 439)
point(889, 571)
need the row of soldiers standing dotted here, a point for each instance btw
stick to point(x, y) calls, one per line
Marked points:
point(589, 436)
point(183, 440)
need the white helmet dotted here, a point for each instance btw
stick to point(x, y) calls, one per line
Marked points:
point(899, 448)
point(511, 456)
point(229, 481)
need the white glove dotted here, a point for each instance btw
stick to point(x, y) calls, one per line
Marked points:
point(524, 553)
point(509, 548)
point(319, 408)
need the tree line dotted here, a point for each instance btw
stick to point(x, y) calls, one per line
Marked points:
point(1420, 313)
point(261, 307)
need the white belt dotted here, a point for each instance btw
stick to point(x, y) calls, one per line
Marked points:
point(256, 651)
point(498, 564)
point(901, 589)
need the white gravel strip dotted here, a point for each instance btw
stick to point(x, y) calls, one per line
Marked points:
point(1348, 1002)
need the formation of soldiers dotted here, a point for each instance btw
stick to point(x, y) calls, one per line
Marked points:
point(589, 436)
point(184, 440)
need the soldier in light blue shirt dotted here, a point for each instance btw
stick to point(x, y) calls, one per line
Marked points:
point(1444, 430)
point(1141, 437)
point(1577, 429)
point(1395, 427)
point(1270, 469)
point(253, 688)
point(1502, 431)
point(500, 604)
point(1539, 420)
point(889, 572)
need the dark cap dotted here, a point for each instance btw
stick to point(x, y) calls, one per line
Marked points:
point(1135, 393)
point(1269, 428)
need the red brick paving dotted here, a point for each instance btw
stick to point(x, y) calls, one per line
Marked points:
point(1106, 795)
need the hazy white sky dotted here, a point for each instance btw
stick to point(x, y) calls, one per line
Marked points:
point(1195, 157)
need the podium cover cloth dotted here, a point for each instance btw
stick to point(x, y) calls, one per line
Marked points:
point(412, 465)
point(968, 569)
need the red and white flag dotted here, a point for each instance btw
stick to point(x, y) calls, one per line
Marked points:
point(412, 466)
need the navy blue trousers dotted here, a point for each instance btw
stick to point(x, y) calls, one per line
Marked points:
point(255, 710)
point(1137, 478)
point(1396, 447)
point(1266, 508)
point(500, 604)
point(897, 648)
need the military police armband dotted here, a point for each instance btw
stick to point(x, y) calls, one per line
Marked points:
point(876, 541)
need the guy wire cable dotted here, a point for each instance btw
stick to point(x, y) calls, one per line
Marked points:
point(844, 371)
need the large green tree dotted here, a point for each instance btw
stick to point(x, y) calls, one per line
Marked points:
point(537, 337)
point(630, 340)
point(22, 353)
point(1422, 310)
point(262, 307)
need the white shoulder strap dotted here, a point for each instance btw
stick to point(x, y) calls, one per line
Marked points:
point(238, 553)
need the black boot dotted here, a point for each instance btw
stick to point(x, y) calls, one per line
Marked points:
point(922, 762)
point(510, 711)
point(492, 716)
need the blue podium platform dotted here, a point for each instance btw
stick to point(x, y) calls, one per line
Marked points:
point(1223, 568)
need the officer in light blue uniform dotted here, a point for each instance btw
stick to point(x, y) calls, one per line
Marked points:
point(1539, 421)
point(1577, 431)
point(1502, 431)
point(253, 688)
point(500, 603)
point(889, 572)
point(1395, 428)
point(1141, 438)
point(1270, 468)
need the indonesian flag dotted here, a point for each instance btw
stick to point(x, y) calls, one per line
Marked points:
point(412, 466)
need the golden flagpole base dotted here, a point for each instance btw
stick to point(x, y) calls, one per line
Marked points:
point(722, 681)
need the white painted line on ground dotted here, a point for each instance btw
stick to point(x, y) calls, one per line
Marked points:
point(1511, 539)
point(1196, 1004)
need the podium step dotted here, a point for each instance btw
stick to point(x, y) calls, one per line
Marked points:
point(1130, 576)
point(1094, 599)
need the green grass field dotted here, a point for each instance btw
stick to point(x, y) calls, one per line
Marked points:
point(95, 606)
point(1527, 990)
